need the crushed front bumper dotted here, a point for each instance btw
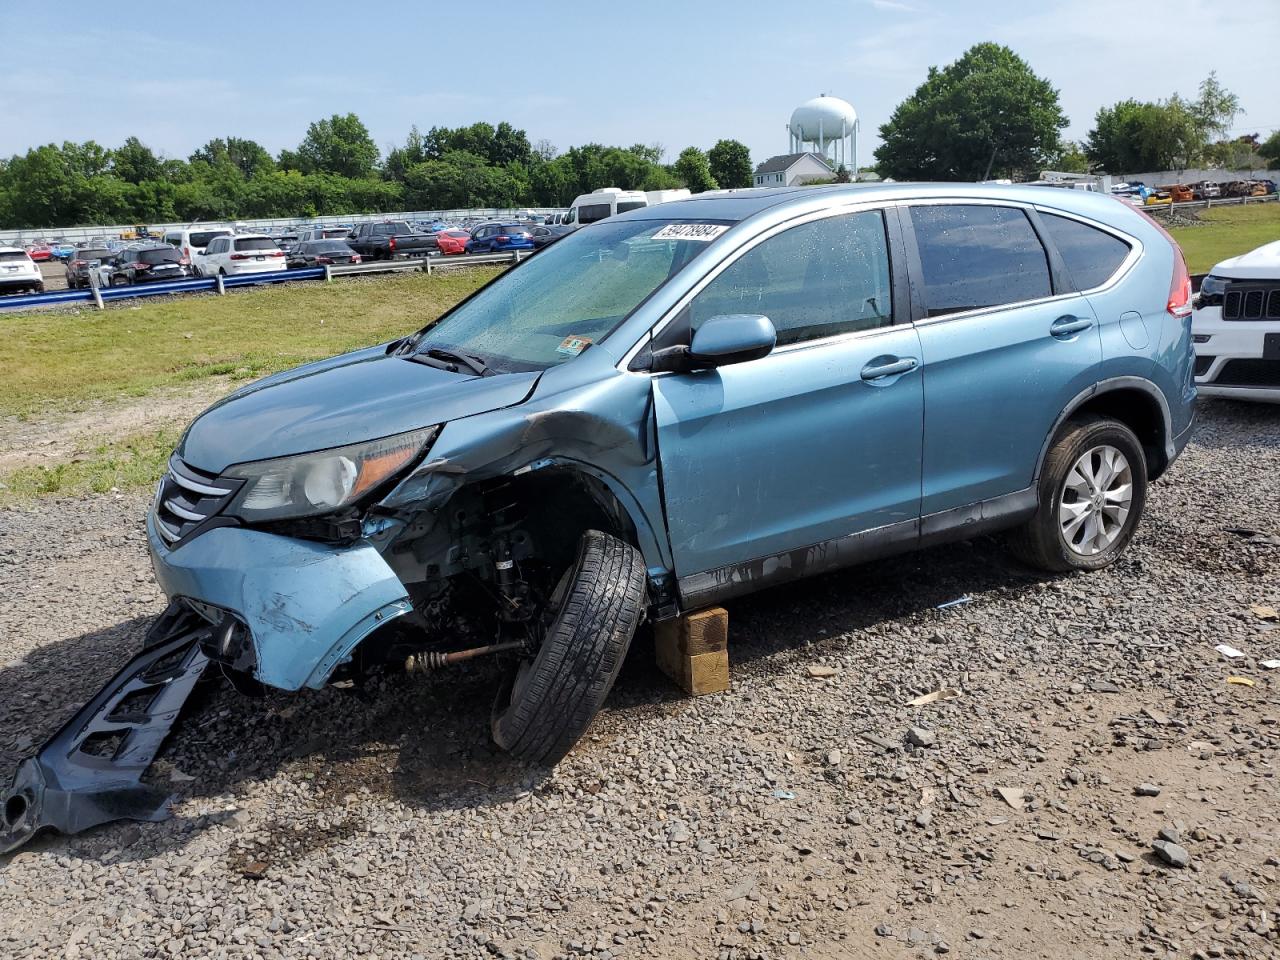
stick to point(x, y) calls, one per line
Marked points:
point(305, 605)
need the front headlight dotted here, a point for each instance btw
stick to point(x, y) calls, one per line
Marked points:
point(308, 484)
point(1212, 286)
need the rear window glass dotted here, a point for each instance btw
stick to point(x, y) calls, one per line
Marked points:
point(12, 255)
point(159, 255)
point(514, 228)
point(202, 238)
point(978, 256)
point(328, 246)
point(1092, 256)
point(625, 205)
point(256, 243)
point(93, 253)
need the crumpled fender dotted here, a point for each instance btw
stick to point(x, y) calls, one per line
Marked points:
point(307, 605)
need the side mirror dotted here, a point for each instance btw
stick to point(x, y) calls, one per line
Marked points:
point(722, 340)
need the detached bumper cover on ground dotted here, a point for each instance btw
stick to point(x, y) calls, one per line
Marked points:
point(90, 772)
point(303, 607)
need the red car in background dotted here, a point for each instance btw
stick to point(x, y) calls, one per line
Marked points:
point(40, 251)
point(453, 241)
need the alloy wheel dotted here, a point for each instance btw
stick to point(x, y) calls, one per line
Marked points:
point(1094, 503)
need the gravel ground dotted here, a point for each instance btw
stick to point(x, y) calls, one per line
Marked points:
point(795, 816)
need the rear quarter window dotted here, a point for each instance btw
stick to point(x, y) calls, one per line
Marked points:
point(1092, 256)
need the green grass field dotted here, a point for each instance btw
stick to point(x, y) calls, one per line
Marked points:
point(56, 360)
point(1226, 232)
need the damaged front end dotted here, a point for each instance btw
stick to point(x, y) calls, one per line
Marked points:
point(91, 771)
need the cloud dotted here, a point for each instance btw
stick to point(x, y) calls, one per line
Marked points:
point(895, 5)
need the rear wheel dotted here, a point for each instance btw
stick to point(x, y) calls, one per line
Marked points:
point(547, 703)
point(1092, 492)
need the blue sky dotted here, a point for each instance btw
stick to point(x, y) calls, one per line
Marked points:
point(574, 72)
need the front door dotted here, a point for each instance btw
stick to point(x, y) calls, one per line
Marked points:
point(772, 469)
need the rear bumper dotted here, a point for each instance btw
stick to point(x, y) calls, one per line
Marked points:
point(306, 605)
point(14, 283)
point(265, 266)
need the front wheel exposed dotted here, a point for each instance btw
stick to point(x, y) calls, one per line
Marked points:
point(1093, 489)
point(546, 704)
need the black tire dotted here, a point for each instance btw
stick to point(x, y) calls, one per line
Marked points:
point(546, 705)
point(1041, 541)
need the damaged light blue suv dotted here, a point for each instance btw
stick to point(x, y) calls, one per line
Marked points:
point(664, 410)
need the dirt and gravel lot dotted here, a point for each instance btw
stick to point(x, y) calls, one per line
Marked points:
point(795, 816)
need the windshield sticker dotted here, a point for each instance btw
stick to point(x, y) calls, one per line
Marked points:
point(702, 232)
point(573, 345)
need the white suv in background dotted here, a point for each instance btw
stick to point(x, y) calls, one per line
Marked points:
point(242, 253)
point(1236, 327)
point(18, 272)
point(192, 240)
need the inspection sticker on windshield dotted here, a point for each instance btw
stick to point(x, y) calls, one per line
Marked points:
point(573, 345)
point(702, 232)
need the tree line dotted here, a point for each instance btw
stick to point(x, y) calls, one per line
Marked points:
point(338, 169)
point(989, 115)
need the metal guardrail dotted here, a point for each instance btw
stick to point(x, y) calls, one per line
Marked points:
point(97, 296)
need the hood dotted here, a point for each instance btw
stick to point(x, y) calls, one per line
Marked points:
point(1260, 264)
point(358, 396)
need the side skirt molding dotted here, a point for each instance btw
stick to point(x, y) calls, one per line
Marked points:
point(733, 580)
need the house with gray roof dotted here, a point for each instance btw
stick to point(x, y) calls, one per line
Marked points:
point(792, 168)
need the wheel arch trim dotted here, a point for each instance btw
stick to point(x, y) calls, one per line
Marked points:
point(1101, 388)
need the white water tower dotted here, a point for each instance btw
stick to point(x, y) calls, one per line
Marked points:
point(827, 126)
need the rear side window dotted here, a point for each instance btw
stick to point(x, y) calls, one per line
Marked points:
point(978, 256)
point(625, 205)
point(1092, 256)
point(819, 279)
point(256, 243)
point(591, 212)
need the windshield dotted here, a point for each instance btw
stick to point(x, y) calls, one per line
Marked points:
point(574, 293)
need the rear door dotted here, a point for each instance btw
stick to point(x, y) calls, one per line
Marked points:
point(773, 468)
point(1006, 346)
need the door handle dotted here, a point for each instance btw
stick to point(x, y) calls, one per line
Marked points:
point(883, 367)
point(1065, 327)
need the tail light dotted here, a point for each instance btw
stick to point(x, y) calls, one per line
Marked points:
point(324, 260)
point(79, 263)
point(391, 244)
point(1179, 302)
point(276, 253)
point(185, 261)
point(141, 266)
point(502, 238)
point(355, 258)
point(186, 253)
point(239, 256)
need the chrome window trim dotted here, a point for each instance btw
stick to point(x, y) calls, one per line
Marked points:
point(861, 206)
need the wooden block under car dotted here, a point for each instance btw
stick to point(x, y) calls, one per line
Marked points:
point(693, 650)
